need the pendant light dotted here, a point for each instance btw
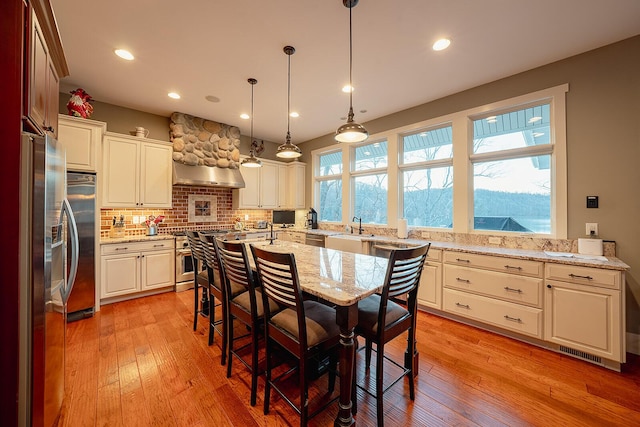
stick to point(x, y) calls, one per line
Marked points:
point(251, 161)
point(351, 131)
point(289, 150)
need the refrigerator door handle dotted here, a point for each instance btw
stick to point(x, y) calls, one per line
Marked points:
point(73, 231)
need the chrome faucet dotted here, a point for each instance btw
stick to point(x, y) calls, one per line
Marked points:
point(359, 219)
point(271, 238)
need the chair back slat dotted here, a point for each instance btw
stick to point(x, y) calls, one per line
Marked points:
point(235, 265)
point(195, 244)
point(277, 276)
point(211, 258)
point(403, 277)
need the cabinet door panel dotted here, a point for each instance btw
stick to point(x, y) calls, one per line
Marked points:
point(39, 72)
point(155, 180)
point(269, 186)
point(157, 269)
point(53, 94)
point(250, 194)
point(119, 275)
point(120, 173)
point(584, 318)
point(430, 289)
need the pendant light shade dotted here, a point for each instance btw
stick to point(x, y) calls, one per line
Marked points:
point(288, 150)
point(251, 161)
point(351, 131)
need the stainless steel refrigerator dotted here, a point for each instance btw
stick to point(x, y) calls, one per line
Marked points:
point(50, 246)
point(81, 193)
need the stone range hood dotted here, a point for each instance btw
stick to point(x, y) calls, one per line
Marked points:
point(205, 153)
point(206, 176)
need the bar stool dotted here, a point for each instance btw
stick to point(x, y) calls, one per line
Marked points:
point(200, 277)
point(380, 319)
point(216, 292)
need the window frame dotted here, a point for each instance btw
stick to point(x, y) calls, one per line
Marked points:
point(463, 160)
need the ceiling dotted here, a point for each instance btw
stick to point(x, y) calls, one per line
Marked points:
point(202, 47)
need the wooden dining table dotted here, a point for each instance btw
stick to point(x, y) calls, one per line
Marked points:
point(343, 279)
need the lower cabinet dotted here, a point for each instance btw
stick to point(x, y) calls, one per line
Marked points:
point(583, 311)
point(430, 288)
point(136, 267)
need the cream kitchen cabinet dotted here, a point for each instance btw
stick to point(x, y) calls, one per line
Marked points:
point(261, 188)
point(283, 186)
point(45, 64)
point(82, 139)
point(584, 312)
point(136, 172)
point(295, 186)
point(136, 268)
point(430, 288)
point(503, 292)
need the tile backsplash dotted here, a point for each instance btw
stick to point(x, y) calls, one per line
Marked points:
point(177, 218)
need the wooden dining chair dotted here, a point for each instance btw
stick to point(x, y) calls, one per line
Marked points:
point(380, 320)
point(244, 304)
point(216, 293)
point(306, 329)
point(200, 277)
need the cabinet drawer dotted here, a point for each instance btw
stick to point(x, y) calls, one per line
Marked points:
point(434, 255)
point(515, 317)
point(503, 264)
point(129, 247)
point(510, 287)
point(584, 275)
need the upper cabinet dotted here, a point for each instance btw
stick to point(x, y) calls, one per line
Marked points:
point(44, 66)
point(81, 138)
point(136, 172)
point(273, 186)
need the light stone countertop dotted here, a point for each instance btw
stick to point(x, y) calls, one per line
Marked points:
point(141, 238)
point(342, 278)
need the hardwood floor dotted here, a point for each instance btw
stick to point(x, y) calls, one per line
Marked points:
point(139, 363)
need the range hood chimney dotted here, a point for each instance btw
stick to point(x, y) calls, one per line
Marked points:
point(206, 176)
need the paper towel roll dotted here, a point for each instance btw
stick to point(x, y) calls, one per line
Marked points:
point(403, 231)
point(590, 246)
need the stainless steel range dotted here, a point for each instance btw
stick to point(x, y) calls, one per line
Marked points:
point(184, 260)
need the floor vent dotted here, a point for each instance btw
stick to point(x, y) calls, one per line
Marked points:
point(581, 355)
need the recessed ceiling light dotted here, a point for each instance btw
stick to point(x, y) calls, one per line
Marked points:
point(173, 95)
point(124, 54)
point(294, 114)
point(347, 89)
point(535, 119)
point(441, 44)
point(212, 98)
point(244, 116)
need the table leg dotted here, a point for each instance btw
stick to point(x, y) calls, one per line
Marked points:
point(347, 318)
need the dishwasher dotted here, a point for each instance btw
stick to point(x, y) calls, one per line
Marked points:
point(314, 240)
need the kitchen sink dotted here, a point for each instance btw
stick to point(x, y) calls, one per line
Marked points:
point(348, 243)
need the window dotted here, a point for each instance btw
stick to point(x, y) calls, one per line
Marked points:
point(329, 186)
point(427, 177)
point(511, 171)
point(498, 168)
point(370, 183)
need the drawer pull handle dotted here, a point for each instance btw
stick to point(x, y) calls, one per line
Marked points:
point(576, 276)
point(463, 305)
point(512, 319)
point(512, 267)
point(463, 280)
point(508, 289)
point(158, 246)
point(122, 249)
point(462, 260)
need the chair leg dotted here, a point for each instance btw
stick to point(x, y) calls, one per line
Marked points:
point(411, 349)
point(304, 393)
point(267, 385)
point(254, 364)
point(367, 354)
point(195, 305)
point(230, 346)
point(212, 318)
point(225, 331)
point(379, 385)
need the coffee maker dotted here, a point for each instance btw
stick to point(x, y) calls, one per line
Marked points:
point(312, 219)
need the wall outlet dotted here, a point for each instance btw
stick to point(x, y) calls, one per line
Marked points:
point(136, 219)
point(495, 240)
point(591, 229)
